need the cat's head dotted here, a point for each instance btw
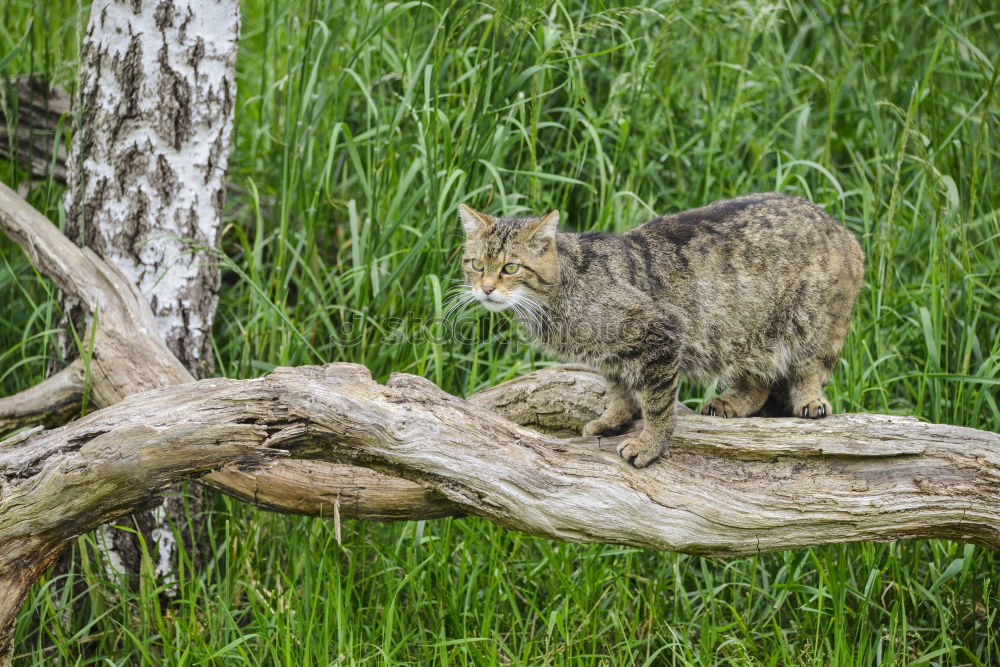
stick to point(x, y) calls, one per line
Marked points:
point(508, 261)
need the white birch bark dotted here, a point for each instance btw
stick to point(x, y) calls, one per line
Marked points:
point(146, 178)
point(157, 88)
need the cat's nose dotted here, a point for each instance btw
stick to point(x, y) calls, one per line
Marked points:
point(488, 289)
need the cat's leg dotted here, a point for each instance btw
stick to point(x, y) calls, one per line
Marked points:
point(808, 377)
point(805, 390)
point(741, 400)
point(658, 397)
point(619, 411)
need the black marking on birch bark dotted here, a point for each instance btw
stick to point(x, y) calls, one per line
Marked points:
point(164, 16)
point(129, 74)
point(164, 179)
point(127, 165)
point(173, 122)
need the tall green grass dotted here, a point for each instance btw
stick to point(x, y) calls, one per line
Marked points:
point(359, 128)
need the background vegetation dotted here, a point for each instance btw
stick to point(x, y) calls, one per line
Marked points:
point(361, 125)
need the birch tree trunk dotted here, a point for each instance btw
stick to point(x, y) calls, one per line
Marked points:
point(146, 183)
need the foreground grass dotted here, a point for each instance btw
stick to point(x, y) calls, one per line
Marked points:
point(360, 127)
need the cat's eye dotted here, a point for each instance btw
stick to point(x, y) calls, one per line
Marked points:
point(510, 268)
point(477, 265)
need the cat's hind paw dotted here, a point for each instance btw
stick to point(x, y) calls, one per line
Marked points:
point(814, 409)
point(638, 452)
point(720, 407)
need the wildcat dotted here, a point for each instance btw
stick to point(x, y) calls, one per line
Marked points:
point(755, 292)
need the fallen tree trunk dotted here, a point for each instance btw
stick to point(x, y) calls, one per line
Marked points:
point(727, 487)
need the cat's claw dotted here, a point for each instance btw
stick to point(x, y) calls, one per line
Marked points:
point(638, 452)
point(719, 407)
point(815, 409)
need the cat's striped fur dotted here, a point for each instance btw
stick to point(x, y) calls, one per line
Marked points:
point(755, 291)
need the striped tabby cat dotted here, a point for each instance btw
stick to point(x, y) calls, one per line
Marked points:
point(755, 292)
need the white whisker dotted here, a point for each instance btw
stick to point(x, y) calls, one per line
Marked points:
point(530, 313)
point(539, 315)
point(458, 303)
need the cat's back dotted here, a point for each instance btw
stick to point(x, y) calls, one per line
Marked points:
point(743, 247)
point(754, 229)
point(750, 285)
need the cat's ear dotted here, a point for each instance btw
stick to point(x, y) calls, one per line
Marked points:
point(544, 228)
point(472, 220)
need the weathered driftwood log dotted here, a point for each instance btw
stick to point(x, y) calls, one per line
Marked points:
point(726, 488)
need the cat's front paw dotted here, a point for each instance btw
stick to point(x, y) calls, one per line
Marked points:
point(639, 452)
point(604, 426)
point(814, 409)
